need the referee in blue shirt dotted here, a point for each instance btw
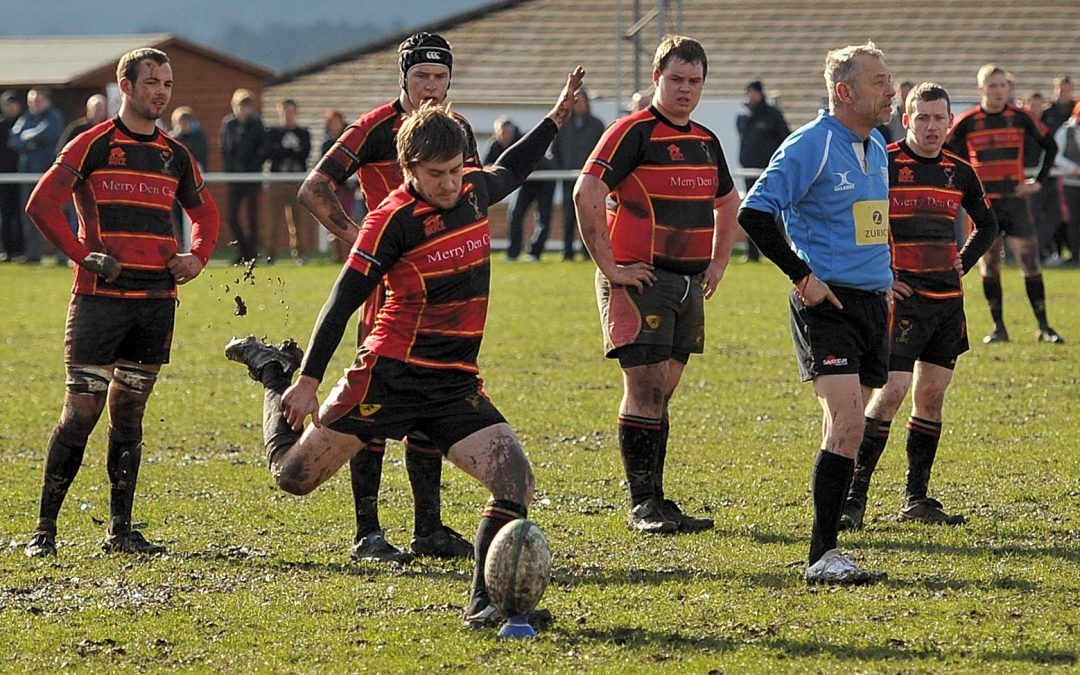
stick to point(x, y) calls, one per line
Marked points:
point(828, 186)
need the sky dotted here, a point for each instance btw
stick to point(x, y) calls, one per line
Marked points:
point(209, 21)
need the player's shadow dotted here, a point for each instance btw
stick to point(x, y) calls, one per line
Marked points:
point(640, 637)
point(370, 570)
point(595, 575)
point(887, 542)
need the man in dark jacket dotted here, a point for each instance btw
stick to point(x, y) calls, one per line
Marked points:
point(575, 141)
point(243, 149)
point(288, 146)
point(10, 221)
point(34, 136)
point(761, 129)
point(540, 191)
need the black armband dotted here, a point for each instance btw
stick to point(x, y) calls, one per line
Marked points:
point(349, 292)
point(762, 228)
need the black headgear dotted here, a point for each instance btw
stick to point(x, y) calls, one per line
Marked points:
point(424, 48)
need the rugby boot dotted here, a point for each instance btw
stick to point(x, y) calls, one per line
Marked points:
point(129, 541)
point(256, 355)
point(852, 517)
point(649, 517)
point(1049, 335)
point(684, 522)
point(836, 569)
point(442, 543)
point(42, 544)
point(998, 334)
point(490, 616)
point(375, 548)
point(929, 510)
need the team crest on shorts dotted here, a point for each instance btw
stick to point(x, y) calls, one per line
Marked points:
point(904, 327)
point(653, 321)
point(369, 409)
point(474, 401)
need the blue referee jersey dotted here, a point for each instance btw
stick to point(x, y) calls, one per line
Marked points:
point(831, 188)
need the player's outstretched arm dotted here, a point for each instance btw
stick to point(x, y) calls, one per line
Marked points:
point(349, 292)
point(519, 160)
point(317, 194)
point(564, 106)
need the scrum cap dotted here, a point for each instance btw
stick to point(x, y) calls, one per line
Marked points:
point(423, 48)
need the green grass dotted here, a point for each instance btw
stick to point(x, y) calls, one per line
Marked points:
point(260, 580)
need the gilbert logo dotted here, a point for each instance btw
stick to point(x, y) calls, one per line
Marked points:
point(842, 182)
point(834, 361)
point(117, 157)
point(433, 224)
point(675, 153)
point(906, 175)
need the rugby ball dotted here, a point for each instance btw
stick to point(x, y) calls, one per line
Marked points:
point(518, 567)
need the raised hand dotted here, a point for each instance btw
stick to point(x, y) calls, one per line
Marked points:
point(564, 106)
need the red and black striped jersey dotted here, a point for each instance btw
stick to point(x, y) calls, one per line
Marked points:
point(665, 181)
point(994, 145)
point(368, 148)
point(435, 265)
point(125, 187)
point(924, 196)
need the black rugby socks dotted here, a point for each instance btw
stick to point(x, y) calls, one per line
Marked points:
point(123, 462)
point(423, 462)
point(639, 440)
point(63, 457)
point(365, 472)
point(992, 291)
point(661, 457)
point(832, 474)
point(1036, 292)
point(922, 444)
point(875, 436)
point(497, 513)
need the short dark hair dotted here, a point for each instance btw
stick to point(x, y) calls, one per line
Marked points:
point(757, 86)
point(926, 91)
point(289, 102)
point(430, 134)
point(682, 48)
point(128, 67)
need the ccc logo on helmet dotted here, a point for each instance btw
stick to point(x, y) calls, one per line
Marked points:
point(433, 55)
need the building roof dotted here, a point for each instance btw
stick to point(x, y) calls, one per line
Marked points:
point(58, 61)
point(518, 52)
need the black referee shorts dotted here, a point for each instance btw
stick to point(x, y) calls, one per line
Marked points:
point(854, 340)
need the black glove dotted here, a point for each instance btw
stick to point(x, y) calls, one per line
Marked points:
point(104, 265)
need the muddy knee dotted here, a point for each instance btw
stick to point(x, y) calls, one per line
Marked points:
point(293, 477)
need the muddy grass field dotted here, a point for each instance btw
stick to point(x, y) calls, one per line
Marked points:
point(258, 580)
